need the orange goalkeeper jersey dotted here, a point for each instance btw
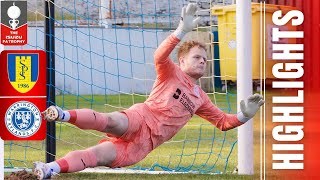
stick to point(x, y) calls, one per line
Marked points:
point(175, 99)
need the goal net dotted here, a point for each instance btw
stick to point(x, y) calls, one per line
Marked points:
point(104, 61)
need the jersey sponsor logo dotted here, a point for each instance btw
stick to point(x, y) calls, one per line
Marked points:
point(23, 71)
point(185, 101)
point(23, 119)
point(176, 95)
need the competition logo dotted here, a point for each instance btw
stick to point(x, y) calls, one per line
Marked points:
point(23, 71)
point(14, 22)
point(23, 119)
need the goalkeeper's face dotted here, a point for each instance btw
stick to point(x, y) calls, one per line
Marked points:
point(194, 62)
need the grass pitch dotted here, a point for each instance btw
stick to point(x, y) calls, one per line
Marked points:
point(199, 146)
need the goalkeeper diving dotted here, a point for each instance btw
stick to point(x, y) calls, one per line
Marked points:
point(136, 131)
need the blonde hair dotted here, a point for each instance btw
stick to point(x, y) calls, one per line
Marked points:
point(186, 46)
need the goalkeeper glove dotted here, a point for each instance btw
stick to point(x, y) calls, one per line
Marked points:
point(248, 111)
point(187, 22)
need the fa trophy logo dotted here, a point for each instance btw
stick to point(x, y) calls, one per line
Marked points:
point(14, 26)
point(14, 13)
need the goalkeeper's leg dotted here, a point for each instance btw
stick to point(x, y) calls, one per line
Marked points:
point(115, 123)
point(100, 155)
point(130, 148)
point(119, 153)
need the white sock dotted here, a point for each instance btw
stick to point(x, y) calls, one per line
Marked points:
point(54, 167)
point(64, 116)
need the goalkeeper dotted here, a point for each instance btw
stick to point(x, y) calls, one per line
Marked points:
point(174, 99)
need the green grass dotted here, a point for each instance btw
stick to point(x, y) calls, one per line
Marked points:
point(154, 177)
point(31, 16)
point(216, 151)
point(110, 176)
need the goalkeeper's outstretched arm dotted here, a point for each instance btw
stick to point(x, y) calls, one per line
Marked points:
point(164, 65)
point(225, 121)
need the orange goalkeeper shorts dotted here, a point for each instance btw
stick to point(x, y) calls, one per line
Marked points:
point(135, 144)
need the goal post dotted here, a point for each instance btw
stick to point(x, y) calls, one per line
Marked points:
point(50, 57)
point(244, 83)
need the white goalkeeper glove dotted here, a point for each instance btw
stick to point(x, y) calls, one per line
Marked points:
point(250, 109)
point(188, 22)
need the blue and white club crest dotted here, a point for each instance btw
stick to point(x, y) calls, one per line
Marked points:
point(23, 119)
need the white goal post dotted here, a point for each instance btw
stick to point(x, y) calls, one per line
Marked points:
point(244, 83)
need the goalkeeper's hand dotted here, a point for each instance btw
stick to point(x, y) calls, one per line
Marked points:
point(188, 22)
point(249, 109)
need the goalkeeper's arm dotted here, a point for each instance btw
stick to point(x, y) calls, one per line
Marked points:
point(164, 65)
point(225, 121)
